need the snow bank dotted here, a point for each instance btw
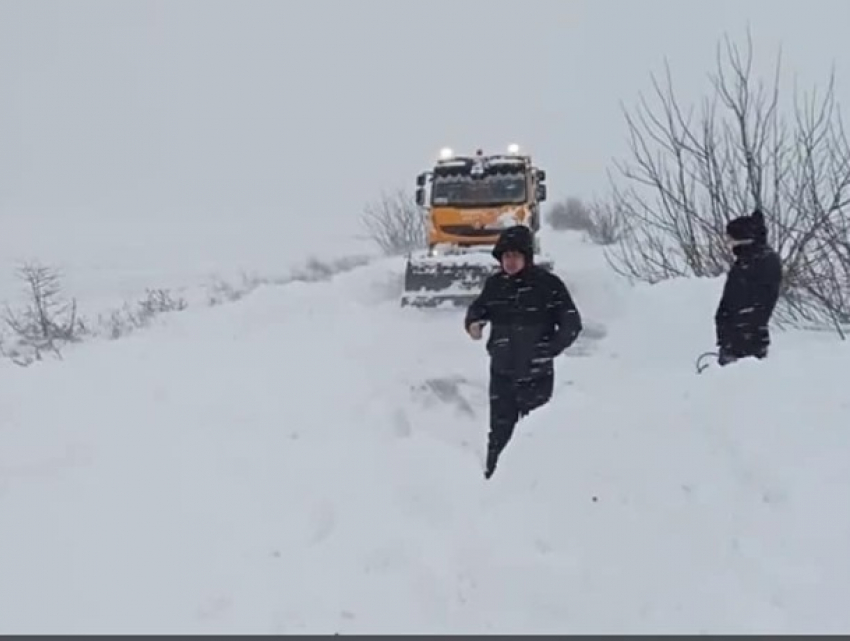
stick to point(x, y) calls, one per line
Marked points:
point(309, 459)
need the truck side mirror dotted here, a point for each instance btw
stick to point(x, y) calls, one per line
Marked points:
point(420, 196)
point(420, 180)
point(541, 175)
point(541, 193)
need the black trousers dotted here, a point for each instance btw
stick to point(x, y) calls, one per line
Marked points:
point(510, 400)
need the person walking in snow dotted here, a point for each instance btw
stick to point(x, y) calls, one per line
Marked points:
point(750, 293)
point(532, 320)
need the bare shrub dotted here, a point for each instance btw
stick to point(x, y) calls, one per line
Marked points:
point(156, 302)
point(120, 322)
point(46, 322)
point(313, 270)
point(396, 223)
point(600, 221)
point(606, 223)
point(570, 214)
point(220, 291)
point(316, 270)
point(692, 170)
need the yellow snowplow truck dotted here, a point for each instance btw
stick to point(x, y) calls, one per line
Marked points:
point(469, 200)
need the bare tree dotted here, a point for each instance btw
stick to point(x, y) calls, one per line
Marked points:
point(607, 223)
point(396, 223)
point(691, 171)
point(47, 321)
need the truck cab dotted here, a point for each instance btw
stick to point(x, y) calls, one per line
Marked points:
point(470, 199)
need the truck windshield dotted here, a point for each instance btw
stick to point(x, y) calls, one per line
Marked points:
point(465, 191)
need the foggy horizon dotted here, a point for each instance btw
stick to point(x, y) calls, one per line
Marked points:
point(291, 110)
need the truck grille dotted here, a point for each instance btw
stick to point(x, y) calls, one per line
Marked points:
point(469, 231)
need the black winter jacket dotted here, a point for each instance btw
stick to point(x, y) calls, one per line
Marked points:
point(533, 319)
point(749, 298)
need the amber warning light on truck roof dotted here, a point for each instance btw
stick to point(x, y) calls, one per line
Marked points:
point(447, 153)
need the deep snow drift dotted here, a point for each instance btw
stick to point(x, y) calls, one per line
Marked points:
point(309, 459)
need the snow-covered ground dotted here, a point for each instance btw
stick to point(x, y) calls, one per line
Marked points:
point(109, 261)
point(309, 459)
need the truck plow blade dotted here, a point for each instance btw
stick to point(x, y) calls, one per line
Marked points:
point(450, 280)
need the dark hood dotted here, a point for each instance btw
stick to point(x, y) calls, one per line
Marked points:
point(750, 227)
point(519, 239)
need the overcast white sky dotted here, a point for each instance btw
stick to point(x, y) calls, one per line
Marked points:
point(311, 107)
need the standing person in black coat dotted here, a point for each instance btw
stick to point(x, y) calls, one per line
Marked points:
point(533, 319)
point(751, 291)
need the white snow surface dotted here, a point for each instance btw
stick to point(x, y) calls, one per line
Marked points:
point(308, 459)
